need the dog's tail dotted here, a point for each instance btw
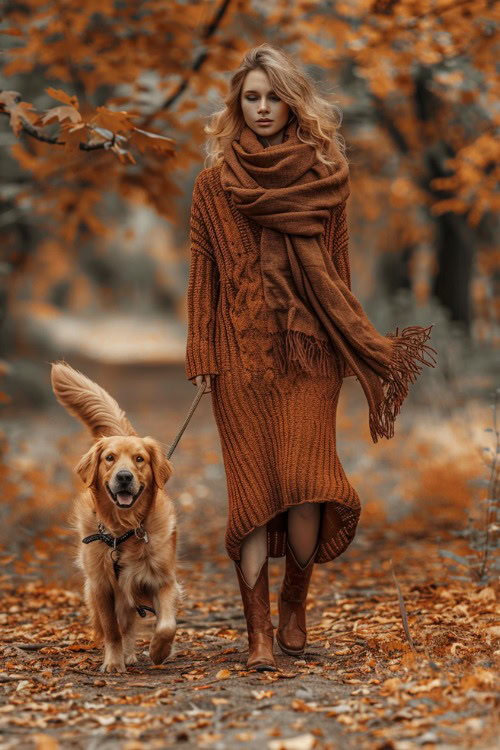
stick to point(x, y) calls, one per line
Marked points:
point(88, 402)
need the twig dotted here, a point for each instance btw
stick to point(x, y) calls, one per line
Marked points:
point(492, 491)
point(69, 39)
point(402, 609)
point(54, 140)
point(38, 646)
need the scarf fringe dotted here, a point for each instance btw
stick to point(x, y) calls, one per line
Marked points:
point(408, 347)
point(308, 352)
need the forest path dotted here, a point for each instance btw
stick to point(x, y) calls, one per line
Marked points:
point(358, 685)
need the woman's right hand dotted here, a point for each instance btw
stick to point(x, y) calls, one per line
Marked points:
point(198, 380)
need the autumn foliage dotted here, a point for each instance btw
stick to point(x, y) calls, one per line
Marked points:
point(133, 83)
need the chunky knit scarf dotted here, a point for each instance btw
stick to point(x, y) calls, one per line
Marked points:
point(287, 190)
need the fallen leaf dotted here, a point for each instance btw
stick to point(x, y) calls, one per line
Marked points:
point(494, 630)
point(486, 595)
point(45, 742)
point(301, 742)
point(261, 694)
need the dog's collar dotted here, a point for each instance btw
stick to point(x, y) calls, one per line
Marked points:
point(114, 541)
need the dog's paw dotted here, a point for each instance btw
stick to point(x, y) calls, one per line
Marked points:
point(130, 659)
point(160, 647)
point(113, 666)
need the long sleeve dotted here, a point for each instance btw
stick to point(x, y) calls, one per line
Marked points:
point(338, 245)
point(202, 294)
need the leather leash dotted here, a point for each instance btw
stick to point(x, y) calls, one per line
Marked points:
point(201, 390)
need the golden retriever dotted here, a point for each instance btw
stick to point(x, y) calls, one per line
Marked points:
point(126, 521)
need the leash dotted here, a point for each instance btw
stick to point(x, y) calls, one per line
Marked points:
point(201, 390)
point(139, 531)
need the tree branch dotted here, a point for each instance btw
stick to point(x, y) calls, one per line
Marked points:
point(69, 38)
point(54, 140)
point(209, 31)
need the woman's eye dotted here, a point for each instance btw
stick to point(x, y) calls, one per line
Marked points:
point(139, 459)
point(273, 96)
point(110, 457)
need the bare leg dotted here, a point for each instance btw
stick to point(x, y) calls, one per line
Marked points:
point(303, 527)
point(253, 554)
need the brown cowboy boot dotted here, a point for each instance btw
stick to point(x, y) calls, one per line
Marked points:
point(258, 616)
point(292, 633)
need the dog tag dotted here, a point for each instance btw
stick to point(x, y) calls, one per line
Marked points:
point(141, 533)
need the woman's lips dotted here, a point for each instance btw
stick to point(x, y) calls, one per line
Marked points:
point(265, 122)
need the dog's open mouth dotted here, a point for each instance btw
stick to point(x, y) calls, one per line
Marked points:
point(124, 499)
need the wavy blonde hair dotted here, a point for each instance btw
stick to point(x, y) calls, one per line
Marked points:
point(318, 117)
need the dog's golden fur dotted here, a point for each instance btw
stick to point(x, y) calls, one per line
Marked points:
point(147, 570)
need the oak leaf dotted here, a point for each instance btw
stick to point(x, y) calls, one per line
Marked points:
point(144, 140)
point(116, 122)
point(20, 112)
point(62, 96)
point(66, 112)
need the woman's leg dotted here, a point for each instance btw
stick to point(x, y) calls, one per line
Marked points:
point(303, 528)
point(254, 587)
point(253, 553)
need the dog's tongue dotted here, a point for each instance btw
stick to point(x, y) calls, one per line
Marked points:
point(124, 498)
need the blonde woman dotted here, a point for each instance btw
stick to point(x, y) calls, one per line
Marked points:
point(274, 328)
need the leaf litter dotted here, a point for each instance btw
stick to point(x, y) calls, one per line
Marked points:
point(400, 655)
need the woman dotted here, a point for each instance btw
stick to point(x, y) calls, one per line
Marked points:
point(273, 328)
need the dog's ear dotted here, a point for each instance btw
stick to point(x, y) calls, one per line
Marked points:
point(161, 466)
point(88, 465)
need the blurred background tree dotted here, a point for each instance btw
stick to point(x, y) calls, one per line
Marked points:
point(101, 139)
point(101, 222)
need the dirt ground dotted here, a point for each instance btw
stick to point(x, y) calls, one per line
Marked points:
point(360, 683)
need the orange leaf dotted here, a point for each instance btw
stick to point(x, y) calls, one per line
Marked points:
point(45, 742)
point(63, 97)
point(61, 114)
point(143, 140)
point(73, 135)
point(19, 111)
point(117, 122)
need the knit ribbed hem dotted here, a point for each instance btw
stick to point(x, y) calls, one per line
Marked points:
point(328, 549)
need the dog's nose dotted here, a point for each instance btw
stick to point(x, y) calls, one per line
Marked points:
point(124, 477)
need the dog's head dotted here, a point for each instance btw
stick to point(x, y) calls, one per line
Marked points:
point(126, 468)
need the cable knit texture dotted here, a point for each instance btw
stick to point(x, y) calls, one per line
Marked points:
point(290, 192)
point(277, 432)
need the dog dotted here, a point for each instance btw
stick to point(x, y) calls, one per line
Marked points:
point(126, 525)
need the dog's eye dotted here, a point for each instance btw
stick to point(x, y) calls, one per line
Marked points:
point(110, 457)
point(139, 459)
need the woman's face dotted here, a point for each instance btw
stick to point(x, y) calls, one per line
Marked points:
point(259, 102)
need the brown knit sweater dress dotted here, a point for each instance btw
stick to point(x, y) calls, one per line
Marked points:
point(277, 433)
